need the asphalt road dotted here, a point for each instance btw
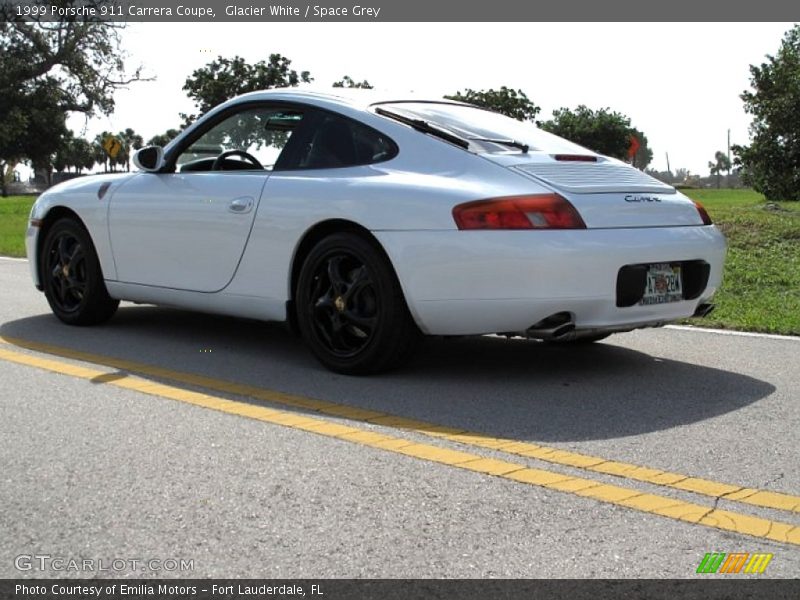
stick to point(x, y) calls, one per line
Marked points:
point(104, 460)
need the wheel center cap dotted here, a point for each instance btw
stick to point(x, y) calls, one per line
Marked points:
point(65, 270)
point(340, 304)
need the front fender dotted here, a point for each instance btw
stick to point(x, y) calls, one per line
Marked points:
point(87, 199)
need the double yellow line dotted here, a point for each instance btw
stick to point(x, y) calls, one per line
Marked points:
point(613, 494)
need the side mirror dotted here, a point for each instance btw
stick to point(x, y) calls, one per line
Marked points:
point(149, 159)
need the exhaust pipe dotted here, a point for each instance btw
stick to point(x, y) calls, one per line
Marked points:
point(703, 310)
point(553, 327)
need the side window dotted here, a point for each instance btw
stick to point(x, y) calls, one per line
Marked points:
point(255, 137)
point(340, 142)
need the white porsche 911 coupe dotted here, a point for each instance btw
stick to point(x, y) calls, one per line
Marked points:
point(366, 222)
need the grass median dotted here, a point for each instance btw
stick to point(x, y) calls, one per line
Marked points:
point(761, 289)
point(14, 211)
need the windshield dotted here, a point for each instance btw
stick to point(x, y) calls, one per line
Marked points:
point(469, 122)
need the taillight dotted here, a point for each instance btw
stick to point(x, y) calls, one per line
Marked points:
point(703, 213)
point(542, 211)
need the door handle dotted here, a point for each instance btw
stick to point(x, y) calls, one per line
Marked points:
point(241, 205)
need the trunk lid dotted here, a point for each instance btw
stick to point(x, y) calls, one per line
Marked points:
point(606, 192)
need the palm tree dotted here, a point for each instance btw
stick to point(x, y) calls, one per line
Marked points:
point(100, 155)
point(721, 163)
point(130, 141)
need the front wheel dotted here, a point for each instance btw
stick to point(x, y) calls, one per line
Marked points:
point(71, 276)
point(350, 309)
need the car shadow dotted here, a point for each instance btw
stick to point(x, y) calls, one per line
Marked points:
point(515, 388)
point(586, 392)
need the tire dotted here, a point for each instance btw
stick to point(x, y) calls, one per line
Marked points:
point(350, 309)
point(71, 276)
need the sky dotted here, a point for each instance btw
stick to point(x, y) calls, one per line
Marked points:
point(678, 82)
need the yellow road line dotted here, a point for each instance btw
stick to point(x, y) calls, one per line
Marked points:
point(610, 494)
point(697, 485)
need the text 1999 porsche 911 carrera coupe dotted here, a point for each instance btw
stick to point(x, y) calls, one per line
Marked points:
point(368, 221)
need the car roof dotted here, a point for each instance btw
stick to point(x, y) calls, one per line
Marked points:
point(353, 97)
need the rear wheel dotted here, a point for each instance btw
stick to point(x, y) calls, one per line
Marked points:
point(71, 276)
point(350, 308)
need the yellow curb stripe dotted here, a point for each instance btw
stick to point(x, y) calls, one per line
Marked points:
point(362, 437)
point(610, 494)
point(707, 488)
point(436, 454)
point(743, 495)
point(490, 466)
point(575, 484)
point(768, 499)
point(648, 502)
point(537, 477)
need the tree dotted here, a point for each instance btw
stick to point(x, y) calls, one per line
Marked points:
point(771, 163)
point(8, 175)
point(62, 159)
point(643, 155)
point(721, 163)
point(665, 176)
point(224, 78)
point(506, 101)
point(49, 68)
point(131, 141)
point(682, 175)
point(101, 157)
point(74, 153)
point(163, 139)
point(31, 127)
point(348, 82)
point(82, 155)
point(602, 130)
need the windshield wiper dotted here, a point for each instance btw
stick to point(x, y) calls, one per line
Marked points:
point(425, 127)
point(513, 143)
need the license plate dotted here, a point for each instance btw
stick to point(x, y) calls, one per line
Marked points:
point(663, 284)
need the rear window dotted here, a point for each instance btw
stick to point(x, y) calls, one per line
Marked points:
point(470, 122)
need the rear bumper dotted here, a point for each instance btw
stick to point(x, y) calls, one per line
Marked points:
point(475, 282)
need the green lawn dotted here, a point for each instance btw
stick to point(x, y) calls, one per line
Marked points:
point(14, 212)
point(761, 289)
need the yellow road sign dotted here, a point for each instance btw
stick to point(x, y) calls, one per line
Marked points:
point(112, 146)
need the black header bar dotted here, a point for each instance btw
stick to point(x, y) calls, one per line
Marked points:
point(372, 11)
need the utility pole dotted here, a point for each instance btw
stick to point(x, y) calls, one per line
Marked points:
point(668, 169)
point(729, 148)
point(728, 179)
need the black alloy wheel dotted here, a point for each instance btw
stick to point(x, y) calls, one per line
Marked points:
point(71, 276)
point(351, 310)
point(345, 303)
